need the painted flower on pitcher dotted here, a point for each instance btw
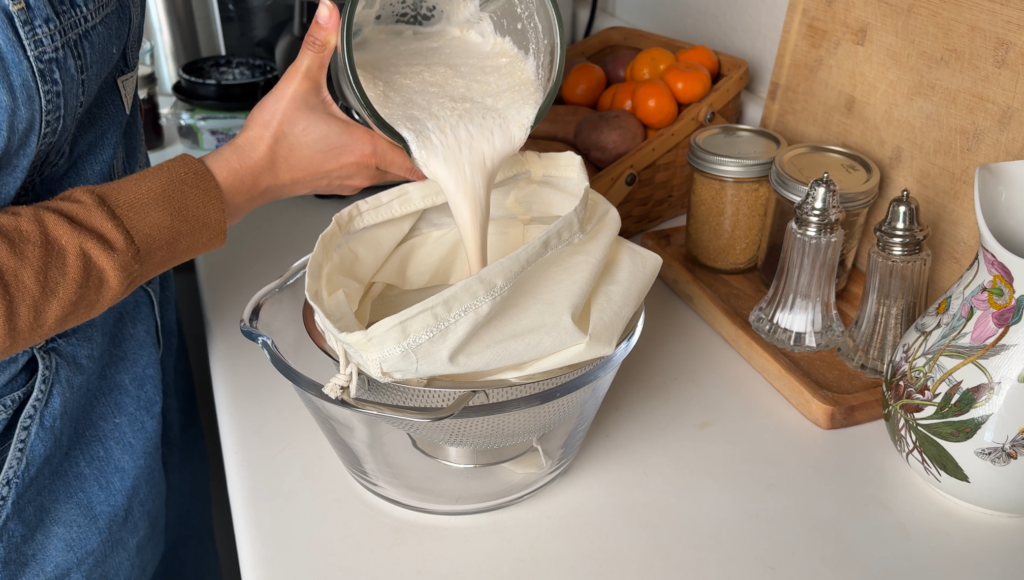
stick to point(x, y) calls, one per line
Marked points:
point(900, 360)
point(942, 312)
point(925, 406)
point(994, 302)
point(925, 394)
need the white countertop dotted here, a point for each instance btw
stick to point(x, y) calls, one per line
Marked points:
point(694, 467)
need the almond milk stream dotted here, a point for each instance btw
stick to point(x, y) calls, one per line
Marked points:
point(462, 96)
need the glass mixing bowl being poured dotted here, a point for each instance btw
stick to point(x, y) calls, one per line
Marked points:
point(533, 26)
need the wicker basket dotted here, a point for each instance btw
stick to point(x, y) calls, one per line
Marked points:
point(652, 183)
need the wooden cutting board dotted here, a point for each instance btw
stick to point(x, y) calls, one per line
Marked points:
point(928, 89)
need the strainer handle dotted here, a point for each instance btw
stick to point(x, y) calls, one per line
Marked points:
point(406, 414)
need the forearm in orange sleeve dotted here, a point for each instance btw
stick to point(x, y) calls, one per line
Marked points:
point(66, 260)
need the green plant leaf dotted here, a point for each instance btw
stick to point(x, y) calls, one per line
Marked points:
point(961, 406)
point(1018, 311)
point(945, 406)
point(982, 393)
point(955, 431)
point(938, 455)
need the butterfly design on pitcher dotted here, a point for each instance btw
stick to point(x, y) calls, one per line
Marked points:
point(1001, 455)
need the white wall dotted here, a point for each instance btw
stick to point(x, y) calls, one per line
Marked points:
point(749, 29)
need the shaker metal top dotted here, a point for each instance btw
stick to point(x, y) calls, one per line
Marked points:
point(819, 212)
point(901, 232)
point(856, 176)
point(734, 150)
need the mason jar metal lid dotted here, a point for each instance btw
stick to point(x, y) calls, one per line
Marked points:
point(734, 150)
point(797, 165)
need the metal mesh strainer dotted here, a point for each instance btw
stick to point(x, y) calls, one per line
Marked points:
point(501, 413)
point(494, 426)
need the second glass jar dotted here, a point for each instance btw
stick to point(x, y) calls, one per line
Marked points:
point(794, 167)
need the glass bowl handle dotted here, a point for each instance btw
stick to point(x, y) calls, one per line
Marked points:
point(249, 325)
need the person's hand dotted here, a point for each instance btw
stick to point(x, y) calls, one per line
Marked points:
point(296, 141)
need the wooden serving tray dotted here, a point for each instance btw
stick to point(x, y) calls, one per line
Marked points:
point(818, 384)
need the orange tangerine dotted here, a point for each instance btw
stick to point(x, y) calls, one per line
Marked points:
point(623, 98)
point(583, 85)
point(605, 102)
point(654, 104)
point(701, 55)
point(649, 63)
point(688, 81)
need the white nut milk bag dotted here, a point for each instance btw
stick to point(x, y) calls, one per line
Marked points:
point(387, 280)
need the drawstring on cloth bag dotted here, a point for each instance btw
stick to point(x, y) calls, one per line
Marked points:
point(348, 372)
point(388, 280)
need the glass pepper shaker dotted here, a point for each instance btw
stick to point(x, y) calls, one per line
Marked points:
point(895, 288)
point(799, 312)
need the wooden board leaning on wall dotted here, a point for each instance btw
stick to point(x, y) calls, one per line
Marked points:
point(927, 89)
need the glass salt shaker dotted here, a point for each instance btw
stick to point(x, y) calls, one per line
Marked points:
point(799, 312)
point(895, 288)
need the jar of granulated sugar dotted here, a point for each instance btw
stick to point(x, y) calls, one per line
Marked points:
point(730, 194)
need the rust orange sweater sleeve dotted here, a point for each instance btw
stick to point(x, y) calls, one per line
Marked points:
point(66, 260)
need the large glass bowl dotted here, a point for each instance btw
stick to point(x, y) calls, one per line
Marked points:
point(534, 26)
point(466, 447)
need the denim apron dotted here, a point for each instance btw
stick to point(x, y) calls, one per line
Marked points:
point(103, 468)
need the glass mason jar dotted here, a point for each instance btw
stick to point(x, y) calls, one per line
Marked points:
point(794, 168)
point(729, 195)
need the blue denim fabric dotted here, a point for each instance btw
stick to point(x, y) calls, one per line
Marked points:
point(102, 467)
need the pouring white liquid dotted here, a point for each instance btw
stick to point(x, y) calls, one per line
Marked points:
point(463, 97)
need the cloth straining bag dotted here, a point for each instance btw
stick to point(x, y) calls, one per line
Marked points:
point(387, 280)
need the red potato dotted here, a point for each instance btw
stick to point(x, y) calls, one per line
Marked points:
point(560, 123)
point(605, 137)
point(615, 64)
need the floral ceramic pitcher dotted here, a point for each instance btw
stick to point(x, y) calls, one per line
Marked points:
point(954, 392)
